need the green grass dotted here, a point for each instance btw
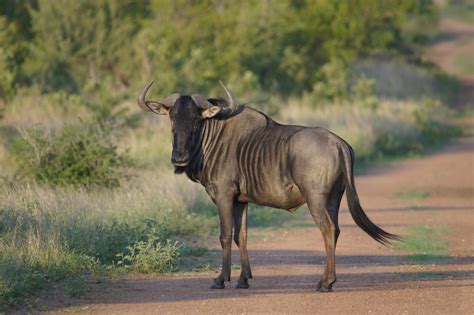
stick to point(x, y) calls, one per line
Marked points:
point(75, 286)
point(29, 269)
point(425, 244)
point(411, 194)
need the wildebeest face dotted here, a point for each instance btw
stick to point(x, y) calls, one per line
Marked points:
point(185, 118)
point(186, 113)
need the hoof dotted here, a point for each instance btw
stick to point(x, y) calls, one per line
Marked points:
point(217, 286)
point(323, 288)
point(242, 285)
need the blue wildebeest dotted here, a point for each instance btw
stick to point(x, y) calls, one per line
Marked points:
point(241, 155)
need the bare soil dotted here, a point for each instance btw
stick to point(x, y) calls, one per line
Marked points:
point(371, 278)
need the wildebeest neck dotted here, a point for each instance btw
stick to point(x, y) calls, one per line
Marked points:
point(205, 144)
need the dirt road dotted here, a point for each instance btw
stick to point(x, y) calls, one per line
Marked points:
point(371, 278)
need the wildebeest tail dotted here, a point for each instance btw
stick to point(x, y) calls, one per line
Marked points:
point(357, 213)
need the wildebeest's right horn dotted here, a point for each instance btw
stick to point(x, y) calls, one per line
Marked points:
point(233, 102)
point(141, 98)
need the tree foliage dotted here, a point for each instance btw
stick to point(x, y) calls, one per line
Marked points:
point(275, 46)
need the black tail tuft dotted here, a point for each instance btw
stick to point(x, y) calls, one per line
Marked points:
point(357, 213)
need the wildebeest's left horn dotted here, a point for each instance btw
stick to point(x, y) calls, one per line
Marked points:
point(201, 101)
point(233, 102)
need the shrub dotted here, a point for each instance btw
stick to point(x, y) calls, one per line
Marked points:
point(332, 82)
point(151, 255)
point(430, 121)
point(78, 155)
point(336, 83)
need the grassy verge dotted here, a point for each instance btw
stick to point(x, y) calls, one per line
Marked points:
point(413, 194)
point(59, 234)
point(425, 244)
point(388, 131)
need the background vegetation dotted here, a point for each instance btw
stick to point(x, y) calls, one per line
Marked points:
point(85, 180)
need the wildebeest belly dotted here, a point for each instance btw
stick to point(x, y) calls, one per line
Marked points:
point(273, 192)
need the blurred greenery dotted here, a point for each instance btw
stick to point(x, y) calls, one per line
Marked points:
point(80, 155)
point(462, 10)
point(277, 47)
point(464, 63)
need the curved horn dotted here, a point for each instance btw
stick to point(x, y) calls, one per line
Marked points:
point(145, 105)
point(141, 98)
point(170, 100)
point(233, 102)
point(201, 101)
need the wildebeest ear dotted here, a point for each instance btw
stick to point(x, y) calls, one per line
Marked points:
point(211, 111)
point(158, 108)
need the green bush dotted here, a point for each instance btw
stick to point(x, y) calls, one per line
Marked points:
point(336, 82)
point(78, 155)
point(332, 82)
point(151, 255)
point(103, 240)
point(430, 121)
point(12, 54)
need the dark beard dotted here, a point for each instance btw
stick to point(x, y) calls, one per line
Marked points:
point(179, 169)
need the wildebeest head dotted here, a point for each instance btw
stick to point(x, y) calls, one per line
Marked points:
point(186, 113)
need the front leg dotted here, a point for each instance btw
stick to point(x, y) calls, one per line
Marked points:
point(224, 205)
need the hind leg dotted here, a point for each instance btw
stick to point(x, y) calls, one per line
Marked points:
point(317, 206)
point(334, 203)
point(324, 208)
